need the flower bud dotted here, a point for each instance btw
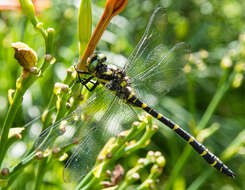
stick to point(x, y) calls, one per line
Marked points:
point(11, 95)
point(15, 132)
point(39, 155)
point(203, 54)
point(237, 80)
point(242, 37)
point(112, 8)
point(161, 161)
point(59, 88)
point(63, 157)
point(84, 24)
point(187, 68)
point(240, 67)
point(29, 10)
point(25, 55)
point(226, 62)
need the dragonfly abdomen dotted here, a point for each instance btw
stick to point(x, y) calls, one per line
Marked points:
point(198, 147)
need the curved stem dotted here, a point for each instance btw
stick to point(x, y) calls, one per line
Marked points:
point(23, 85)
point(18, 97)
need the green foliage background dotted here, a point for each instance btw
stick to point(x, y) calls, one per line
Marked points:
point(213, 25)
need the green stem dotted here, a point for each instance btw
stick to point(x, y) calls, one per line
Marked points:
point(224, 86)
point(123, 185)
point(178, 166)
point(47, 118)
point(40, 173)
point(119, 151)
point(62, 111)
point(191, 95)
point(85, 180)
point(8, 123)
point(17, 169)
point(18, 98)
point(143, 141)
point(22, 85)
point(201, 179)
point(92, 183)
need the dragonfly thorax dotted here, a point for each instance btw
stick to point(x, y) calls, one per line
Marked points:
point(110, 76)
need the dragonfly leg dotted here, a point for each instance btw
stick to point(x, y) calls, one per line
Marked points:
point(78, 74)
point(95, 85)
point(86, 81)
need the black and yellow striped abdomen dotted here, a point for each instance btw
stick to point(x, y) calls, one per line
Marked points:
point(198, 147)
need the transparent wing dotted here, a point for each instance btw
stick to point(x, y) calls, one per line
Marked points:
point(92, 124)
point(152, 35)
point(113, 121)
point(62, 132)
point(154, 67)
point(163, 71)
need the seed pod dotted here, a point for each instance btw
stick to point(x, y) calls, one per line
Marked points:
point(25, 55)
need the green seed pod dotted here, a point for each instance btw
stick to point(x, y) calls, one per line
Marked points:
point(29, 9)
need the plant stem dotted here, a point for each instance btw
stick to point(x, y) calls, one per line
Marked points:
point(191, 95)
point(22, 86)
point(216, 100)
point(17, 169)
point(18, 98)
point(178, 166)
point(123, 185)
point(47, 121)
point(40, 173)
point(119, 150)
point(85, 180)
point(202, 178)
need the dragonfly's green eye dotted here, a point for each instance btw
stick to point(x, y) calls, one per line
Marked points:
point(101, 57)
point(94, 60)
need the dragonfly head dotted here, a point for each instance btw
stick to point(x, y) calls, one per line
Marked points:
point(94, 61)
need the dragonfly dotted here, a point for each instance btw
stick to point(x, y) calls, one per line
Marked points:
point(119, 92)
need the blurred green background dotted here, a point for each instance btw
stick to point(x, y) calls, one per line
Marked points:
point(215, 26)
